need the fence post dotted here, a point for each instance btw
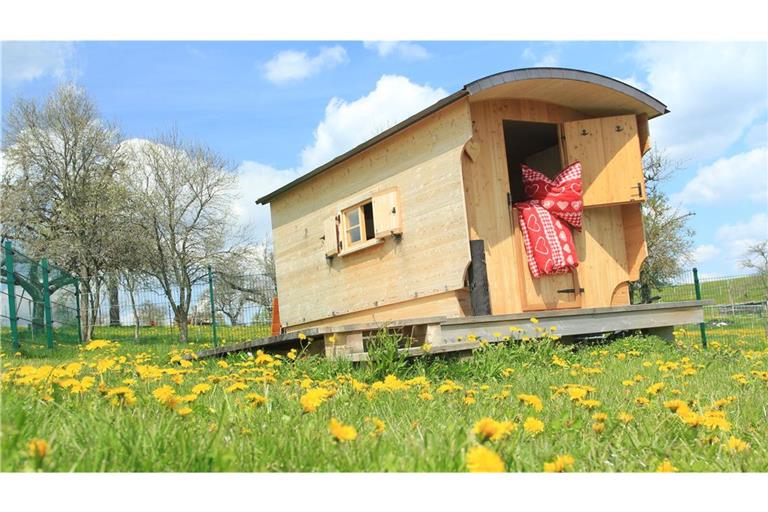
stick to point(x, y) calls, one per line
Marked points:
point(77, 311)
point(11, 285)
point(47, 304)
point(213, 306)
point(702, 325)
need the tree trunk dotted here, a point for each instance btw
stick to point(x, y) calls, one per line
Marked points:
point(232, 318)
point(114, 302)
point(645, 293)
point(135, 310)
point(38, 317)
point(85, 309)
point(182, 322)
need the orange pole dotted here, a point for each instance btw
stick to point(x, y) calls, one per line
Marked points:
point(275, 317)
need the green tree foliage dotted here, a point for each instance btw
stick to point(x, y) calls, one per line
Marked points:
point(667, 234)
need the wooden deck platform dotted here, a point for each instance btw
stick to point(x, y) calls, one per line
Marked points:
point(462, 334)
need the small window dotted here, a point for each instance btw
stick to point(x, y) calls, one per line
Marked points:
point(358, 224)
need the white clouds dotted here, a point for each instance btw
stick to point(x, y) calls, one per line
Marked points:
point(737, 178)
point(23, 61)
point(735, 239)
point(403, 49)
point(290, 65)
point(715, 91)
point(254, 181)
point(347, 124)
point(547, 59)
point(703, 253)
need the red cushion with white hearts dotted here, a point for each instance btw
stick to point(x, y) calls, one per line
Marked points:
point(548, 242)
point(561, 196)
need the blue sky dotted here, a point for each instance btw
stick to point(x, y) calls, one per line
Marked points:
point(278, 109)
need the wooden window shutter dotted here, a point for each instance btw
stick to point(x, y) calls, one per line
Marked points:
point(609, 151)
point(331, 236)
point(387, 218)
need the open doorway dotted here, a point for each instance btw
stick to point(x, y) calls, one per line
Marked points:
point(535, 145)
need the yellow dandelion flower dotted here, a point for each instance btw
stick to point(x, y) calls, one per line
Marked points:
point(736, 445)
point(599, 416)
point(560, 464)
point(342, 432)
point(674, 405)
point(426, 395)
point(378, 426)
point(183, 411)
point(37, 448)
point(532, 400)
point(598, 427)
point(237, 386)
point(654, 389)
point(201, 388)
point(589, 404)
point(426, 347)
point(625, 417)
point(222, 364)
point(534, 320)
point(469, 400)
point(533, 426)
point(666, 467)
point(164, 394)
point(303, 336)
point(641, 401)
point(292, 354)
point(484, 460)
point(256, 399)
point(488, 428)
point(312, 399)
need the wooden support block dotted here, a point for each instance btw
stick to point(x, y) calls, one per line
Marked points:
point(434, 335)
point(666, 332)
point(342, 344)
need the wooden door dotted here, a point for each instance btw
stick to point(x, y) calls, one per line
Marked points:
point(545, 292)
point(609, 151)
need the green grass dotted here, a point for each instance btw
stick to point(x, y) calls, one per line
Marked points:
point(197, 333)
point(722, 291)
point(225, 433)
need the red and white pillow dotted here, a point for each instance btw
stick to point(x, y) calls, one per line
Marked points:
point(561, 196)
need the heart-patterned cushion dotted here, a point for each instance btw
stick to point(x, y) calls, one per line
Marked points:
point(561, 196)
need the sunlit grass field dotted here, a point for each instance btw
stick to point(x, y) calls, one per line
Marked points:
point(636, 404)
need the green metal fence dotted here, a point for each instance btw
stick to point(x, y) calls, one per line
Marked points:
point(223, 308)
point(39, 302)
point(739, 312)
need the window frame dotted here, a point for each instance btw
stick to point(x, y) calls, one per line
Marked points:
point(347, 246)
point(361, 226)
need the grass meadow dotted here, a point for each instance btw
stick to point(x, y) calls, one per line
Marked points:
point(638, 404)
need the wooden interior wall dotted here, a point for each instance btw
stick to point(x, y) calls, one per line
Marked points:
point(424, 162)
point(486, 183)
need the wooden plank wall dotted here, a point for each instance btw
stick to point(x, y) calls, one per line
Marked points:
point(424, 162)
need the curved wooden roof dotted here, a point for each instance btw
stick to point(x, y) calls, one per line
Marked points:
point(587, 92)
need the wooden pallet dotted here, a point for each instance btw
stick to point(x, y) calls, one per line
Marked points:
point(462, 334)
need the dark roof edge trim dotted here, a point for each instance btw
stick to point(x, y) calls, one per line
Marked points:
point(365, 145)
point(517, 75)
point(474, 88)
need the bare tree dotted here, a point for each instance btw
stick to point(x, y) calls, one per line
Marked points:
point(756, 258)
point(59, 197)
point(667, 234)
point(183, 193)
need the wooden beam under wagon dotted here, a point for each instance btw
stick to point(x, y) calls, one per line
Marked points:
point(461, 334)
